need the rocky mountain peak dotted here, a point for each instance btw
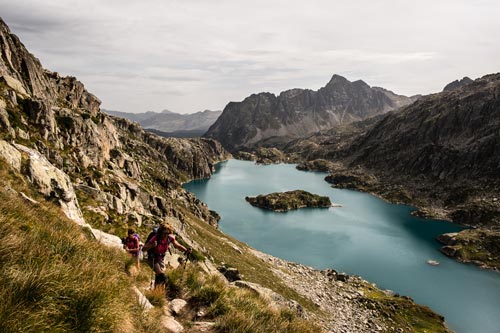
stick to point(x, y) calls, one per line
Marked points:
point(297, 113)
point(458, 84)
point(24, 72)
point(336, 79)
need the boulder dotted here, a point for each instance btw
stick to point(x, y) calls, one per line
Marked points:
point(53, 183)
point(177, 305)
point(448, 239)
point(230, 273)
point(143, 301)
point(274, 299)
point(10, 154)
point(171, 325)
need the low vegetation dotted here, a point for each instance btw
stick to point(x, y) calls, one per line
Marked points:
point(230, 308)
point(54, 277)
point(285, 201)
point(402, 314)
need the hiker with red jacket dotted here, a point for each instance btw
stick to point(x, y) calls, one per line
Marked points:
point(160, 243)
point(132, 245)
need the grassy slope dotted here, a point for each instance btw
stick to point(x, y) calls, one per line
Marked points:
point(53, 277)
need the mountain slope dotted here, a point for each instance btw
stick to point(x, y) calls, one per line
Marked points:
point(449, 141)
point(193, 124)
point(300, 112)
point(115, 175)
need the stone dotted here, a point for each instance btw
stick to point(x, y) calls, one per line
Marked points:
point(202, 326)
point(11, 155)
point(177, 305)
point(275, 300)
point(171, 325)
point(143, 301)
point(448, 239)
point(230, 273)
point(53, 183)
point(15, 84)
point(22, 134)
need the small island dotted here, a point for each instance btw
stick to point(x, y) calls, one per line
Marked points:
point(285, 201)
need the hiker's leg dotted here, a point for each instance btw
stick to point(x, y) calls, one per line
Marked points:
point(159, 268)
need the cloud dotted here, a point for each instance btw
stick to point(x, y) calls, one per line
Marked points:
point(192, 55)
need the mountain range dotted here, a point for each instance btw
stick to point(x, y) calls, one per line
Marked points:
point(167, 123)
point(75, 178)
point(265, 118)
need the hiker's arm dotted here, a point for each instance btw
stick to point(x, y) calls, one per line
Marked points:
point(136, 247)
point(148, 246)
point(178, 245)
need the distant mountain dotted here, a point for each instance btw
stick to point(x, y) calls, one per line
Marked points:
point(445, 145)
point(299, 112)
point(169, 123)
point(452, 135)
point(458, 84)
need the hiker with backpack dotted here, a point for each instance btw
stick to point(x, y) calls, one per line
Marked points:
point(132, 244)
point(161, 243)
point(151, 251)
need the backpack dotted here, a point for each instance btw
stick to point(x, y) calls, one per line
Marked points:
point(141, 244)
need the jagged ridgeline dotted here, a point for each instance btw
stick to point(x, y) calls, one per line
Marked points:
point(121, 173)
point(58, 150)
point(267, 119)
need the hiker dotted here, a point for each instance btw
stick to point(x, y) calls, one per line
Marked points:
point(151, 251)
point(160, 243)
point(132, 245)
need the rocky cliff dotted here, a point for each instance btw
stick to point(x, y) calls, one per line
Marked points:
point(120, 172)
point(458, 83)
point(448, 141)
point(109, 173)
point(300, 112)
point(168, 123)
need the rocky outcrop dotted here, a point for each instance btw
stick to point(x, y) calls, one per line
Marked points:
point(299, 112)
point(122, 174)
point(285, 201)
point(348, 303)
point(480, 247)
point(52, 182)
point(320, 165)
point(265, 156)
point(28, 77)
point(443, 147)
point(458, 84)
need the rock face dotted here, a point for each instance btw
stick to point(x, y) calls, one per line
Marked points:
point(122, 175)
point(171, 123)
point(458, 84)
point(480, 247)
point(447, 144)
point(300, 112)
point(285, 201)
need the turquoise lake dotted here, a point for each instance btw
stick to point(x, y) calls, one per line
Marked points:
point(367, 236)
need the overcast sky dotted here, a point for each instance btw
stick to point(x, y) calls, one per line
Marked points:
point(192, 55)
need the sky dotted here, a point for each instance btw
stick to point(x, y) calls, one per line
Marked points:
point(192, 55)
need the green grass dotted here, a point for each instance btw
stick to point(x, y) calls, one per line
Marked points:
point(53, 278)
point(231, 308)
point(403, 313)
point(252, 268)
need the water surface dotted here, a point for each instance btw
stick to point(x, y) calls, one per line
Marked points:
point(367, 236)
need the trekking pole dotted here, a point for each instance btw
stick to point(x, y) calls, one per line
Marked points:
point(154, 275)
point(186, 259)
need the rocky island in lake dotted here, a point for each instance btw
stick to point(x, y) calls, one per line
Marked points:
point(285, 201)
